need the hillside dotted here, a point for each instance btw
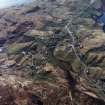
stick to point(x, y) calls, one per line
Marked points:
point(51, 54)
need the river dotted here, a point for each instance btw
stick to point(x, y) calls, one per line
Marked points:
point(8, 3)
